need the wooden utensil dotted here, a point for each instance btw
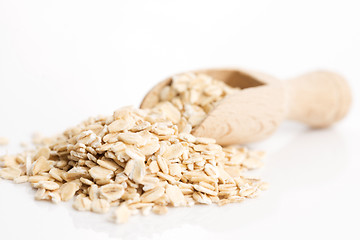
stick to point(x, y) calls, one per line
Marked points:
point(317, 99)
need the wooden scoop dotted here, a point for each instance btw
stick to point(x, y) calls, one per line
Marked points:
point(317, 99)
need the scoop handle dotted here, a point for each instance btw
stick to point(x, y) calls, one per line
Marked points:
point(318, 99)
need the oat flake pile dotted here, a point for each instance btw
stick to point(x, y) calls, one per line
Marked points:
point(138, 161)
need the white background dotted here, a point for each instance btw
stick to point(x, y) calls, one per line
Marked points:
point(62, 61)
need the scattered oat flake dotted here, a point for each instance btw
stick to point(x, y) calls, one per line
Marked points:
point(10, 173)
point(122, 214)
point(4, 141)
point(160, 210)
point(100, 206)
point(67, 191)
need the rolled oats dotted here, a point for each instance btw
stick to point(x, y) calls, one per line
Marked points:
point(160, 210)
point(153, 194)
point(122, 214)
point(82, 203)
point(21, 179)
point(99, 173)
point(41, 165)
point(56, 174)
point(100, 206)
point(175, 195)
point(48, 185)
point(141, 160)
point(10, 173)
point(4, 141)
point(112, 192)
point(67, 191)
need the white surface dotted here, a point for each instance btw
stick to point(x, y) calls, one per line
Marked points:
point(62, 61)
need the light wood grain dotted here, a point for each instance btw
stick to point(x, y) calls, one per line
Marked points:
point(318, 99)
point(240, 119)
